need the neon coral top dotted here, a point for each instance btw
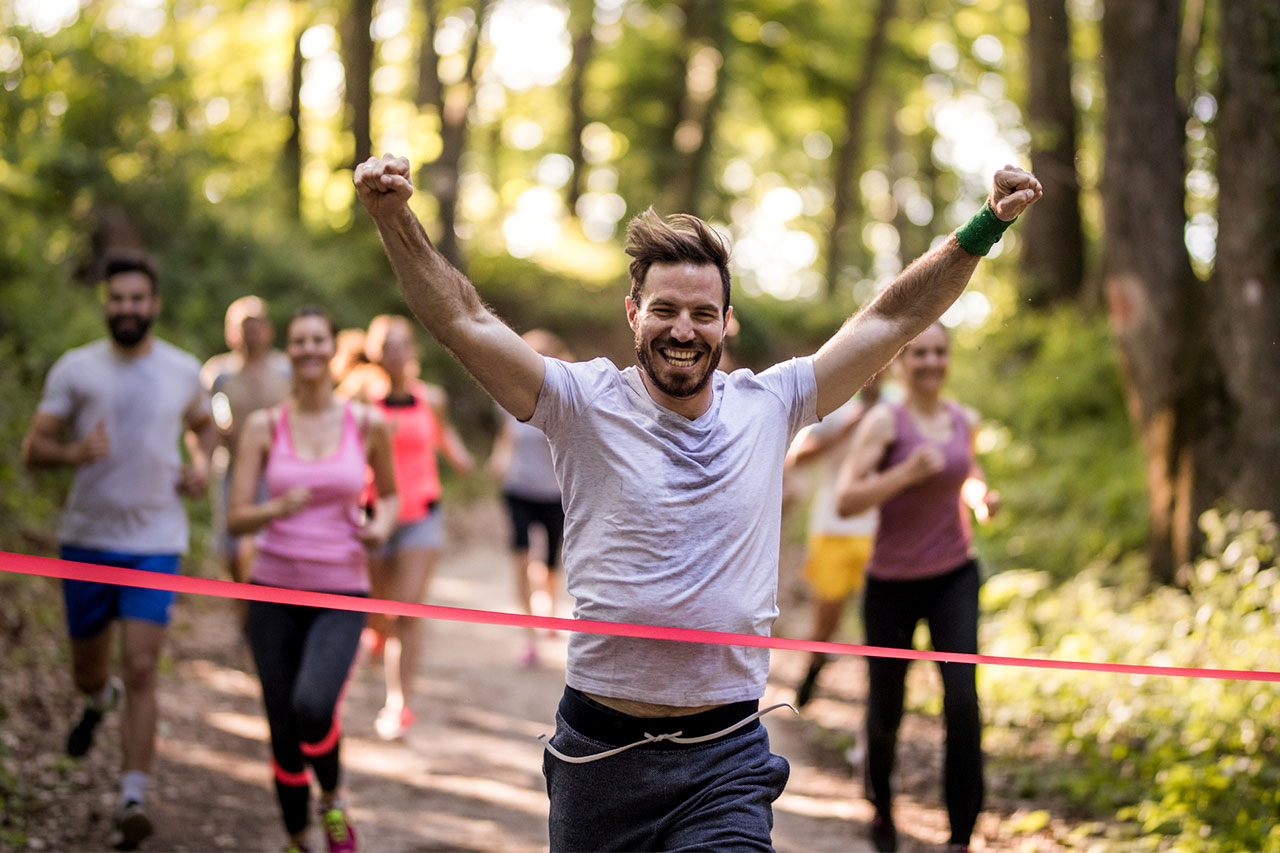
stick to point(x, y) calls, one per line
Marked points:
point(415, 436)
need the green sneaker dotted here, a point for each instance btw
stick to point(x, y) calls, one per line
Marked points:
point(338, 831)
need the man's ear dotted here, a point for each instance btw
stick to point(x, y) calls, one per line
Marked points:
point(632, 311)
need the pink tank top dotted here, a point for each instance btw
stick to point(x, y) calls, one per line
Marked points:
point(316, 548)
point(924, 529)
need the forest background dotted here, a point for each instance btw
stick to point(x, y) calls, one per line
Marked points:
point(1121, 342)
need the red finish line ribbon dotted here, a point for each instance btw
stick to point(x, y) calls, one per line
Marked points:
point(52, 568)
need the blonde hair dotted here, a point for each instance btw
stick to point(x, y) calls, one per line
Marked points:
point(379, 328)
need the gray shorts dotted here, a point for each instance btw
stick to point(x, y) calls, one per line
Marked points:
point(425, 533)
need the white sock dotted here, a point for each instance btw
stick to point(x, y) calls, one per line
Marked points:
point(133, 786)
point(101, 700)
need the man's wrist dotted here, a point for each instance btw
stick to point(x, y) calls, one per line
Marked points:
point(982, 231)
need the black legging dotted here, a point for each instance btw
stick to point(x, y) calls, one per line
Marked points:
point(890, 611)
point(303, 655)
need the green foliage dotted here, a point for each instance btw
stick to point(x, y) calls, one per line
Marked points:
point(1056, 442)
point(1195, 762)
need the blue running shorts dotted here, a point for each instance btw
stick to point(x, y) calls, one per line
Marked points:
point(91, 606)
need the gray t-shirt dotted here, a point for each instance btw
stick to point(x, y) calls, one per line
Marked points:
point(530, 474)
point(127, 502)
point(671, 521)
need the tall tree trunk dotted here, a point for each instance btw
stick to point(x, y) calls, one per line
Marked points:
point(291, 156)
point(1053, 258)
point(1153, 296)
point(1246, 282)
point(704, 95)
point(582, 30)
point(453, 103)
point(849, 155)
point(357, 61)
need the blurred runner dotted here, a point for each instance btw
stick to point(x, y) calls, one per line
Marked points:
point(915, 461)
point(115, 410)
point(312, 450)
point(838, 548)
point(417, 417)
point(521, 461)
point(253, 376)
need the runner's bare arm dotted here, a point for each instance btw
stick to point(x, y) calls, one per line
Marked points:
point(43, 448)
point(916, 298)
point(451, 444)
point(503, 449)
point(201, 438)
point(244, 514)
point(386, 508)
point(976, 494)
point(859, 485)
point(442, 298)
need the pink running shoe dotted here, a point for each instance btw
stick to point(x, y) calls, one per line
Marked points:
point(338, 831)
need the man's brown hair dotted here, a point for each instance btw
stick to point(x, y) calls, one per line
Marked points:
point(682, 238)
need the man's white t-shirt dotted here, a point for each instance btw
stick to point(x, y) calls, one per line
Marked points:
point(673, 522)
point(127, 502)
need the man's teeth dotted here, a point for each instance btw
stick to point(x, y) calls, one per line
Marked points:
point(680, 357)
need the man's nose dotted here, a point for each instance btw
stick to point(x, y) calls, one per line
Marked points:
point(683, 328)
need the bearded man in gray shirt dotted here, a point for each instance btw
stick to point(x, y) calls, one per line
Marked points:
point(671, 474)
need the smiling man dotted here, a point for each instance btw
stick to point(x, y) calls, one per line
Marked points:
point(671, 475)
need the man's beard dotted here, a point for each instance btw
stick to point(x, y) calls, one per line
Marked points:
point(126, 333)
point(682, 385)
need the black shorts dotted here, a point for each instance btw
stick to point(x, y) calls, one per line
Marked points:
point(526, 513)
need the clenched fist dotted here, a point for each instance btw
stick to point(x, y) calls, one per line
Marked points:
point(1012, 191)
point(383, 185)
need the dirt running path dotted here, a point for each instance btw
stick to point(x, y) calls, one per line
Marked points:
point(469, 775)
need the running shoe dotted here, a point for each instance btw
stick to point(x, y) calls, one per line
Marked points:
point(373, 643)
point(884, 835)
point(529, 658)
point(805, 691)
point(392, 724)
point(81, 736)
point(131, 826)
point(338, 831)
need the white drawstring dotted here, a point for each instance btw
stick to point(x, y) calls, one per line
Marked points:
point(674, 737)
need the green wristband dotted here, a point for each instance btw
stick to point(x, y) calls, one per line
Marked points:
point(983, 231)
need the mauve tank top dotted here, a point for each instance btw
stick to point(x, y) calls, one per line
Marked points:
point(924, 529)
point(316, 548)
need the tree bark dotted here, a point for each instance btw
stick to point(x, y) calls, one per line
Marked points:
point(1053, 257)
point(441, 176)
point(849, 156)
point(291, 156)
point(582, 29)
point(1154, 299)
point(357, 61)
point(1246, 281)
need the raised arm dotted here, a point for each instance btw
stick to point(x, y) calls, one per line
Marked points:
point(442, 298)
point(918, 296)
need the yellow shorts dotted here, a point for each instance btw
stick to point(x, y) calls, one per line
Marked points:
point(835, 565)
